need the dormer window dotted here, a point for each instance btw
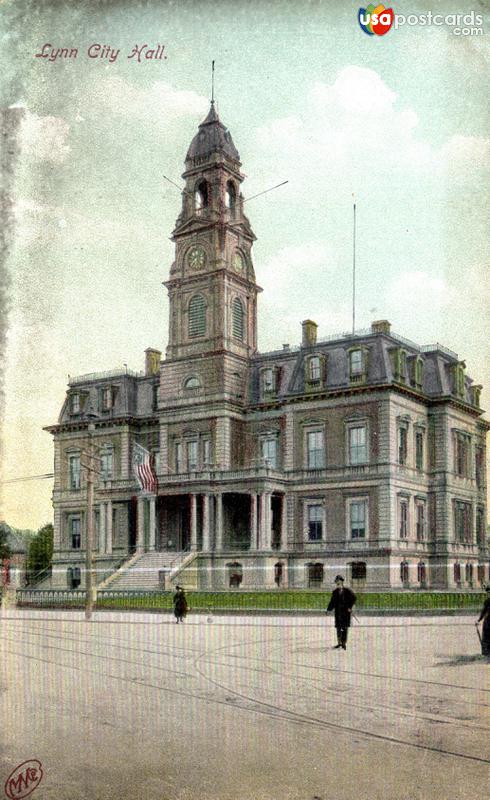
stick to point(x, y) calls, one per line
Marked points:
point(458, 379)
point(268, 379)
point(419, 373)
point(357, 365)
point(75, 403)
point(201, 197)
point(399, 364)
point(107, 398)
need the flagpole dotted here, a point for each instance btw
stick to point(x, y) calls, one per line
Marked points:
point(354, 272)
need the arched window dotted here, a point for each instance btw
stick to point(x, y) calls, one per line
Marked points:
point(197, 316)
point(404, 573)
point(73, 577)
point(201, 197)
point(235, 574)
point(469, 573)
point(278, 573)
point(238, 319)
point(192, 383)
point(421, 572)
point(230, 196)
point(358, 571)
point(315, 575)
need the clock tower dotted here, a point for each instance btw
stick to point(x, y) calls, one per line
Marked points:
point(212, 289)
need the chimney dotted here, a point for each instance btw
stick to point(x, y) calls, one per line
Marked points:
point(309, 332)
point(381, 326)
point(285, 347)
point(152, 361)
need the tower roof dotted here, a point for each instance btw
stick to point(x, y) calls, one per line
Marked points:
point(212, 137)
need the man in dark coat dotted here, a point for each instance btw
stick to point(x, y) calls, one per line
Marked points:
point(180, 604)
point(485, 618)
point(341, 602)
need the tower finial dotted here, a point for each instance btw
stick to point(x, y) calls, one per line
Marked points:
point(212, 83)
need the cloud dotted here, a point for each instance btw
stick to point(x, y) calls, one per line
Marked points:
point(345, 129)
point(428, 294)
point(158, 103)
point(465, 151)
point(44, 138)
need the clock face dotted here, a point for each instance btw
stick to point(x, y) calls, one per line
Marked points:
point(196, 257)
point(238, 262)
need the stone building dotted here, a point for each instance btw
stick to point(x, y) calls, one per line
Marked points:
point(361, 453)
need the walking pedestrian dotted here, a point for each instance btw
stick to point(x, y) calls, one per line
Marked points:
point(485, 619)
point(180, 604)
point(341, 602)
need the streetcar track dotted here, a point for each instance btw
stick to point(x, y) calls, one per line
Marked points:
point(258, 706)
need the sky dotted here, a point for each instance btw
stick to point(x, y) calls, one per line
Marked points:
point(399, 121)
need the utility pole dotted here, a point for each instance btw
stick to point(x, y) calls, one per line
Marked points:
point(90, 584)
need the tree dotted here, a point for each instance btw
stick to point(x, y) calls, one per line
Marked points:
point(4, 548)
point(40, 551)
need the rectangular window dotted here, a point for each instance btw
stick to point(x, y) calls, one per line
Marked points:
point(74, 462)
point(462, 455)
point(156, 460)
point(106, 398)
point(356, 366)
point(358, 519)
point(419, 450)
point(75, 404)
point(315, 450)
point(315, 371)
point(178, 457)
point(462, 522)
point(315, 523)
point(268, 381)
point(75, 533)
point(480, 526)
point(191, 456)
point(357, 445)
point(479, 467)
point(269, 452)
point(106, 465)
point(403, 519)
point(206, 452)
point(402, 445)
point(420, 507)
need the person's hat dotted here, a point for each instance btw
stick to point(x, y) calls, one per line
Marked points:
point(339, 578)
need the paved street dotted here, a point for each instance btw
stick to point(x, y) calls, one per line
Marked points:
point(252, 708)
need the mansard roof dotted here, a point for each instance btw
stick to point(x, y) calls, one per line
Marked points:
point(212, 137)
point(379, 348)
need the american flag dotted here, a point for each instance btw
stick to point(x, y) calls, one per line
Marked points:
point(143, 469)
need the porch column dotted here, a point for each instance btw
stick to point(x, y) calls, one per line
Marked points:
point(193, 498)
point(206, 539)
point(284, 523)
point(262, 521)
point(267, 541)
point(109, 534)
point(253, 521)
point(102, 534)
point(152, 536)
point(219, 522)
point(140, 536)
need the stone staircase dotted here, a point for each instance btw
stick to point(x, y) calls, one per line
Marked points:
point(142, 571)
